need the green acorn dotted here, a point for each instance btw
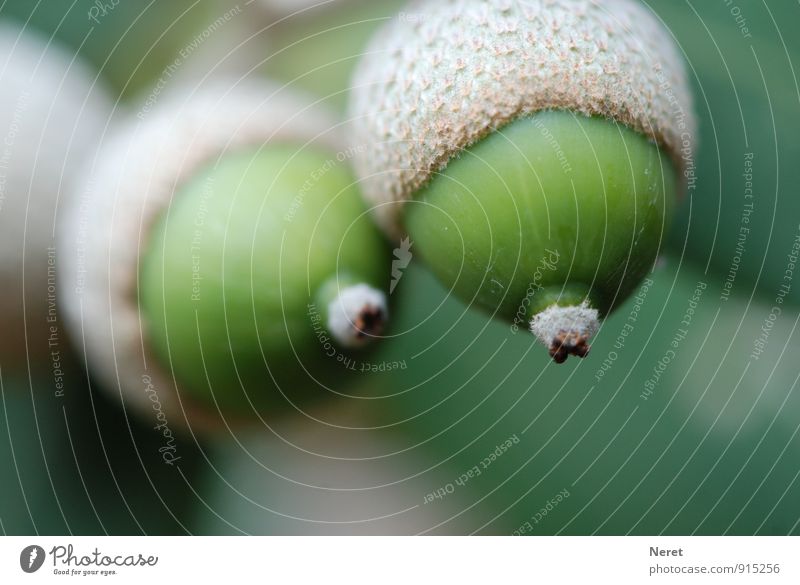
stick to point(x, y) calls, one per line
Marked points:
point(532, 151)
point(220, 261)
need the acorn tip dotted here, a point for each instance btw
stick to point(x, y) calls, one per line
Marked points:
point(370, 321)
point(566, 330)
point(357, 315)
point(567, 343)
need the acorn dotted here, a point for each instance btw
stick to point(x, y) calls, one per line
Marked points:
point(222, 263)
point(52, 116)
point(531, 151)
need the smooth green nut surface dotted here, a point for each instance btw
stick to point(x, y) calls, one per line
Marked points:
point(552, 208)
point(230, 285)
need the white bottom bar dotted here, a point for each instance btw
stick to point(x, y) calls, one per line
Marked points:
point(356, 560)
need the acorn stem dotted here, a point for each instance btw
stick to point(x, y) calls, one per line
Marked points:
point(354, 312)
point(566, 329)
point(565, 295)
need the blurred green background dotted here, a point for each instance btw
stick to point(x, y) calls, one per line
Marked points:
point(683, 420)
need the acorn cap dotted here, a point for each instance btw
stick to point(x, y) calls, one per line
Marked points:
point(127, 188)
point(435, 84)
point(52, 114)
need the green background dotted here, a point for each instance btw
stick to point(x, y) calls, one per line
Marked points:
point(713, 450)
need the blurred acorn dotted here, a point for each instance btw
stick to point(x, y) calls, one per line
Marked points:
point(54, 111)
point(221, 264)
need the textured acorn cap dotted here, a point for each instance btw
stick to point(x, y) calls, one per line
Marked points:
point(433, 85)
point(52, 114)
point(129, 185)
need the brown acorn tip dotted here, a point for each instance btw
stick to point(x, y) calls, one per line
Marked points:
point(567, 343)
point(370, 321)
point(566, 330)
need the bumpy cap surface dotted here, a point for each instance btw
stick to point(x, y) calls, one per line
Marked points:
point(451, 71)
point(127, 187)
